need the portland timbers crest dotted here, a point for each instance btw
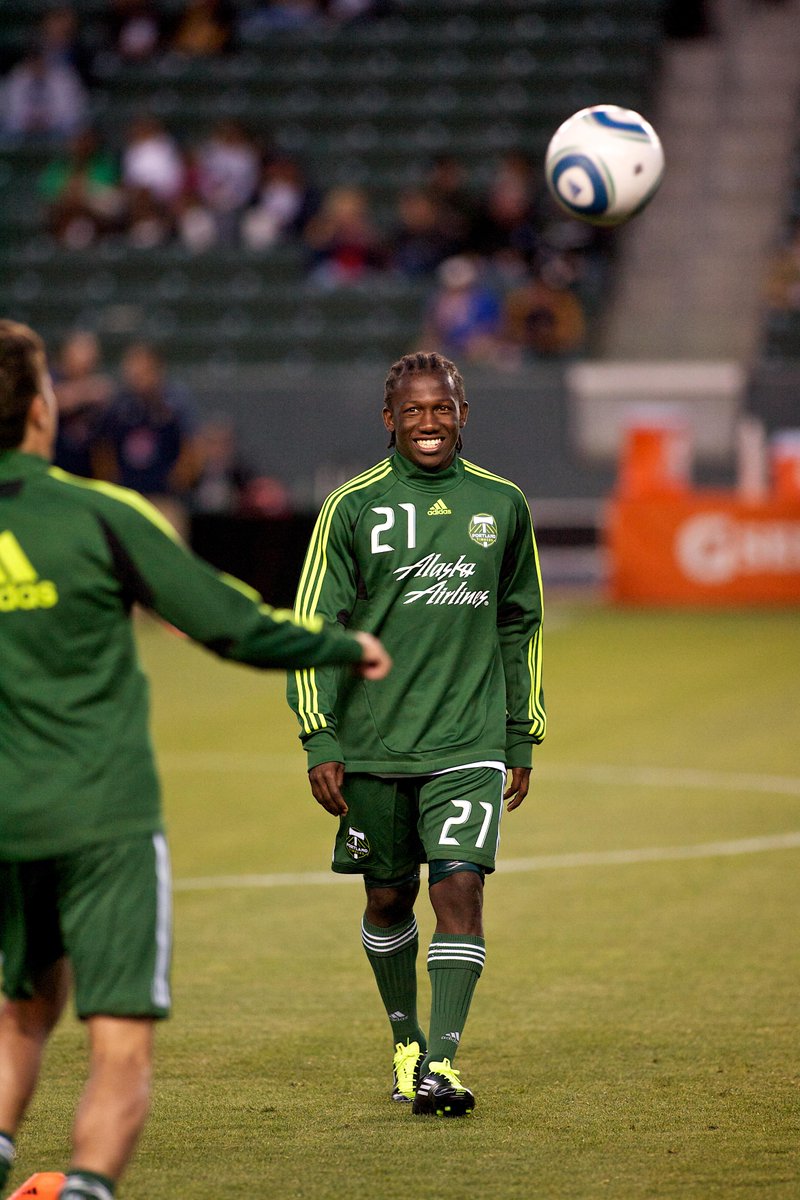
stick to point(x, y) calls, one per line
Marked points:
point(357, 844)
point(483, 529)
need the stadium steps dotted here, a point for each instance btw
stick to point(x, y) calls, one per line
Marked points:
point(692, 263)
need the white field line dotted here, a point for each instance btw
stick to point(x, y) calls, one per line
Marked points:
point(203, 762)
point(541, 862)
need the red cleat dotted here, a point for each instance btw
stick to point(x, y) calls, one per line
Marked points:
point(44, 1185)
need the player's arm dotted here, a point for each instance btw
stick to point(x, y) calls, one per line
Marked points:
point(519, 621)
point(327, 587)
point(221, 613)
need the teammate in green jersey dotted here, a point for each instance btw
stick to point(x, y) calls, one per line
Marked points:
point(84, 868)
point(437, 557)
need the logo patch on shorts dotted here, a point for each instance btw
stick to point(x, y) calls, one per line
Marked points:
point(483, 529)
point(357, 844)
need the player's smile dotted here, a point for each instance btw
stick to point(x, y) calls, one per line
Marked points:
point(426, 418)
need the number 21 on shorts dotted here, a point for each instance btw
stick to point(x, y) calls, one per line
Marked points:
point(447, 836)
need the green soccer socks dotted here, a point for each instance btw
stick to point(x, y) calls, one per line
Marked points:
point(392, 954)
point(455, 962)
point(87, 1185)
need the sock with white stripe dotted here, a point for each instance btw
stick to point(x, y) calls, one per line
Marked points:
point(455, 962)
point(392, 954)
point(87, 1185)
point(6, 1156)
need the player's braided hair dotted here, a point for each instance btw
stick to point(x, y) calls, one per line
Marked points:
point(21, 364)
point(422, 363)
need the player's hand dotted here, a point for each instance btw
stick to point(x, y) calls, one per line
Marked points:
point(326, 787)
point(375, 663)
point(517, 787)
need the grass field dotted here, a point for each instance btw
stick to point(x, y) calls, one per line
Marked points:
point(635, 1033)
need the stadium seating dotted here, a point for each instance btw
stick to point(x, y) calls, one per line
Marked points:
point(370, 104)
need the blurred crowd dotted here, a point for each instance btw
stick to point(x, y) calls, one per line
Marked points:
point(140, 429)
point(510, 276)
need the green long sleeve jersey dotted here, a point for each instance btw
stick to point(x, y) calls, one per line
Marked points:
point(442, 566)
point(76, 762)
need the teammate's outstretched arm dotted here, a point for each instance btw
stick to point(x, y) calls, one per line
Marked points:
point(376, 663)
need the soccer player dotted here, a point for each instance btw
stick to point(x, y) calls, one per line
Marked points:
point(84, 869)
point(436, 556)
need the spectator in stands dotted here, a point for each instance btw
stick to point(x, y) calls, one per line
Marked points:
point(507, 220)
point(226, 173)
point(154, 178)
point(222, 476)
point(135, 30)
point(418, 243)
point(267, 16)
point(82, 192)
point(285, 202)
point(464, 315)
point(204, 29)
point(543, 316)
point(83, 392)
point(40, 98)
point(344, 242)
point(147, 439)
point(783, 278)
point(60, 42)
point(447, 185)
point(348, 11)
point(226, 483)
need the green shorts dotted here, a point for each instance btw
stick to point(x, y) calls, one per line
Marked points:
point(394, 824)
point(108, 908)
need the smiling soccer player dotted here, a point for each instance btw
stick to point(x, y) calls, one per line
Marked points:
point(437, 557)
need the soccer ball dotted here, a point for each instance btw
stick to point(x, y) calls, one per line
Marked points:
point(604, 164)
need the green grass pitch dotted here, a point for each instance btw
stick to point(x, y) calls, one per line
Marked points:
point(635, 1033)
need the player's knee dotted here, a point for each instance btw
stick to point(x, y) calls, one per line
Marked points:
point(391, 902)
point(122, 1045)
point(457, 899)
point(441, 869)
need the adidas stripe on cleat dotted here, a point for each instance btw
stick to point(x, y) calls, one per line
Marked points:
point(442, 1094)
point(405, 1071)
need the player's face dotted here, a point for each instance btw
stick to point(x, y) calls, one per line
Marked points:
point(426, 419)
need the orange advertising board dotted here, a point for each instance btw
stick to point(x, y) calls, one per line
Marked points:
point(704, 547)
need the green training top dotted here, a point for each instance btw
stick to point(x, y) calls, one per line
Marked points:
point(442, 566)
point(76, 763)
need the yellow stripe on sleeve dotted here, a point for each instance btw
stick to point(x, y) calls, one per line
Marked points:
point(309, 589)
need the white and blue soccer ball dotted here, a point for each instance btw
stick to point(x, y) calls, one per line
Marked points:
point(604, 164)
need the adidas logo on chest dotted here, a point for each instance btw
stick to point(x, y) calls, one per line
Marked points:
point(440, 509)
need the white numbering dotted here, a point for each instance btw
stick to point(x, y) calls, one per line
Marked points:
point(466, 812)
point(487, 820)
point(378, 547)
point(451, 822)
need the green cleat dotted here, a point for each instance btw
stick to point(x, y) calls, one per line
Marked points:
point(405, 1071)
point(442, 1094)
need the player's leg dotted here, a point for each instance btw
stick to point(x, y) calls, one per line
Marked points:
point(378, 838)
point(391, 942)
point(25, 1026)
point(36, 984)
point(114, 1105)
point(459, 817)
point(116, 916)
point(456, 956)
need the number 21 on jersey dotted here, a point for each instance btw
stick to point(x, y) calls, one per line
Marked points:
point(387, 523)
